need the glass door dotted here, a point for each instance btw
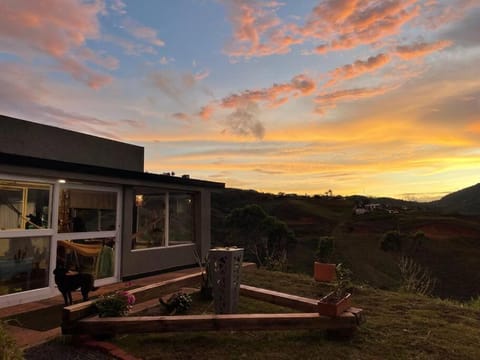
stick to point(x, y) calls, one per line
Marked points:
point(89, 228)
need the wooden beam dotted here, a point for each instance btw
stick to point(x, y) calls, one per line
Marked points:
point(279, 298)
point(144, 293)
point(237, 322)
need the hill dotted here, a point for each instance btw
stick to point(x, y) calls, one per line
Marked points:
point(465, 201)
point(449, 248)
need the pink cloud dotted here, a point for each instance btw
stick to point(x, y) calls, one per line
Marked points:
point(421, 49)
point(206, 112)
point(358, 68)
point(257, 30)
point(142, 32)
point(56, 29)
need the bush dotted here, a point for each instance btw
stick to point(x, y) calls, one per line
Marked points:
point(325, 248)
point(415, 278)
point(8, 347)
point(391, 241)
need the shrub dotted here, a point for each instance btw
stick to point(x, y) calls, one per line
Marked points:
point(391, 241)
point(178, 303)
point(325, 248)
point(8, 347)
point(415, 278)
point(116, 304)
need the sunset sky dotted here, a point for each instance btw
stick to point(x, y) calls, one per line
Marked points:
point(378, 98)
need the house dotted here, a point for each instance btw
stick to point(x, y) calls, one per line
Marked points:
point(85, 203)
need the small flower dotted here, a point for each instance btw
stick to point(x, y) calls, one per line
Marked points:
point(116, 304)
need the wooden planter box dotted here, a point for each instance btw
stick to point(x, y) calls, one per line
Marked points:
point(324, 272)
point(330, 307)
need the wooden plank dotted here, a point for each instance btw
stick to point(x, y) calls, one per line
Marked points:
point(279, 298)
point(144, 293)
point(237, 322)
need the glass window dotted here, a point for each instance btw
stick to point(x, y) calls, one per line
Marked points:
point(152, 212)
point(148, 221)
point(93, 256)
point(24, 264)
point(24, 205)
point(181, 219)
point(87, 210)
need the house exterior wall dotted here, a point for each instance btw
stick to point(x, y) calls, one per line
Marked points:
point(26, 138)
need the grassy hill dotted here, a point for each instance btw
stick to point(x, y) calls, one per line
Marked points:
point(399, 326)
point(465, 201)
point(449, 250)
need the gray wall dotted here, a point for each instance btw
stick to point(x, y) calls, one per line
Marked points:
point(31, 139)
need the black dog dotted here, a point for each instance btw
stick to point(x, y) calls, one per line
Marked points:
point(68, 283)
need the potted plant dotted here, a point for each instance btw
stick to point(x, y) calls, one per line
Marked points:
point(323, 269)
point(339, 300)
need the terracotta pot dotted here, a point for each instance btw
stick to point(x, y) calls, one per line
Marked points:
point(330, 306)
point(324, 272)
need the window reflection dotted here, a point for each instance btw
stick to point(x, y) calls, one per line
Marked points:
point(87, 210)
point(24, 264)
point(148, 221)
point(24, 205)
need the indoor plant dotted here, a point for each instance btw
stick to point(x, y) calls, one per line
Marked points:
point(339, 300)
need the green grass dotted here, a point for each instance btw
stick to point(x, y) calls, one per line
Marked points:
point(399, 326)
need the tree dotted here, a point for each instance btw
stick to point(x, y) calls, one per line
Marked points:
point(264, 237)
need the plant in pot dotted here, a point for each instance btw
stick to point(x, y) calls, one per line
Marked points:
point(323, 269)
point(339, 300)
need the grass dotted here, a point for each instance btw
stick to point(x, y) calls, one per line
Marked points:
point(399, 326)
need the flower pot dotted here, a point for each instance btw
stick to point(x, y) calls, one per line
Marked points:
point(324, 272)
point(330, 305)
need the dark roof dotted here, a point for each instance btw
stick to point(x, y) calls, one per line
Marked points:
point(47, 164)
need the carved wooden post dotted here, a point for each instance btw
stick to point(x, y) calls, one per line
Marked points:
point(225, 264)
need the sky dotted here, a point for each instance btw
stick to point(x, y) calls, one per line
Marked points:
point(367, 97)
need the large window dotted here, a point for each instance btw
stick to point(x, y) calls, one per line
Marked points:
point(24, 205)
point(162, 219)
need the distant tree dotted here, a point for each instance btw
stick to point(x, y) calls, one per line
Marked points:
point(391, 241)
point(263, 237)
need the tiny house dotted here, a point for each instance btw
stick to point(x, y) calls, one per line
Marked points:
point(85, 203)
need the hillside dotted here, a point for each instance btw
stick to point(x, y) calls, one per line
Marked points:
point(398, 326)
point(449, 249)
point(465, 201)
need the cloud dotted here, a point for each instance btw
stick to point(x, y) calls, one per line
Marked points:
point(57, 30)
point(174, 85)
point(118, 6)
point(358, 68)
point(420, 49)
point(142, 32)
point(330, 99)
point(257, 30)
point(181, 116)
point(206, 112)
point(244, 121)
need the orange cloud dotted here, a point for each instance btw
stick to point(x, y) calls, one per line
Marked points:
point(206, 112)
point(275, 95)
point(420, 49)
point(358, 68)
